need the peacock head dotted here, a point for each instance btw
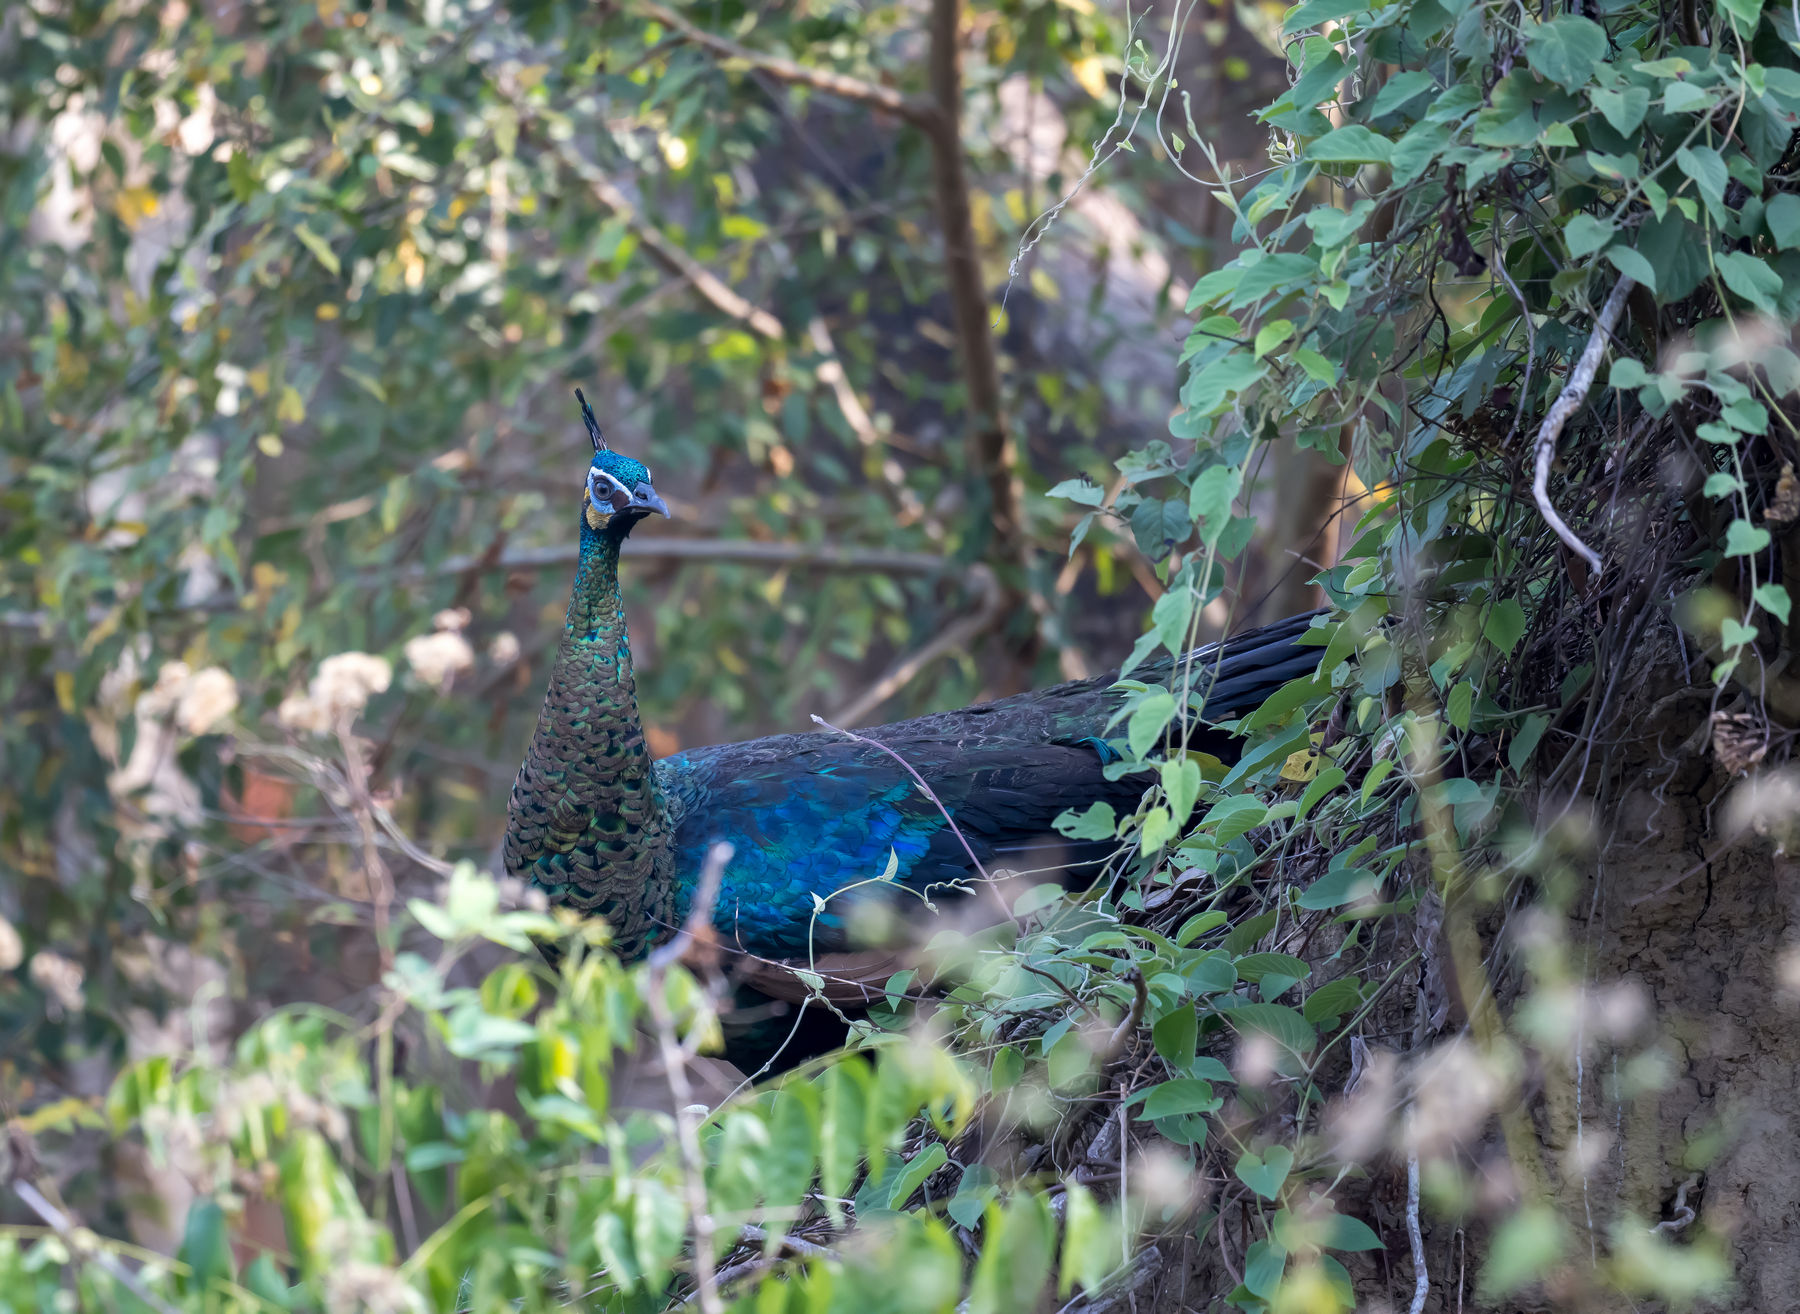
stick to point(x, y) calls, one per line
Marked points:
point(619, 490)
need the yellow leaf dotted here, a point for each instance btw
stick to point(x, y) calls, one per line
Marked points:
point(1304, 765)
point(1091, 74)
point(135, 204)
point(269, 444)
point(65, 690)
point(1211, 768)
point(258, 379)
point(109, 623)
point(61, 1115)
point(290, 409)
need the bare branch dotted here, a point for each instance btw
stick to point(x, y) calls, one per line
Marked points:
point(810, 556)
point(668, 254)
point(955, 637)
point(65, 1228)
point(884, 99)
point(991, 450)
point(1415, 1238)
point(675, 1059)
point(1581, 378)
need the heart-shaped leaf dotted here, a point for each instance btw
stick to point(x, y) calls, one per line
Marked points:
point(1264, 1173)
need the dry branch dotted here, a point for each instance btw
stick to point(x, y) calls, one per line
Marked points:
point(668, 254)
point(675, 1058)
point(990, 443)
point(992, 453)
point(956, 637)
point(885, 99)
point(1574, 393)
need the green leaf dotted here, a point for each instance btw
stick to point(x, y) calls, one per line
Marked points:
point(1632, 265)
point(1460, 704)
point(1774, 599)
point(1264, 1173)
point(1254, 967)
point(1525, 741)
point(1234, 815)
point(1745, 13)
point(1340, 886)
point(1733, 633)
point(320, 248)
point(1144, 728)
point(1505, 625)
point(1346, 1233)
point(1181, 785)
point(1017, 1244)
point(1209, 390)
point(1566, 50)
point(1278, 1022)
point(1332, 1000)
point(1090, 1243)
point(1176, 1036)
point(1037, 898)
point(1183, 1095)
point(918, 1168)
point(1068, 1060)
point(206, 1245)
point(1783, 219)
point(1743, 538)
point(978, 1188)
point(1585, 234)
point(1272, 335)
point(1209, 501)
point(1677, 250)
point(1624, 109)
point(659, 1227)
point(1315, 12)
point(1751, 279)
point(1317, 367)
point(1170, 618)
point(1350, 144)
point(1523, 1249)
point(1400, 89)
point(1009, 1066)
point(1707, 169)
point(1097, 823)
point(1328, 779)
point(1082, 492)
point(845, 1096)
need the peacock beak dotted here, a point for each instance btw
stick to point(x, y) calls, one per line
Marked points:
point(646, 498)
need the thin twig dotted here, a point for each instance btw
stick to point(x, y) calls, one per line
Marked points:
point(761, 1263)
point(1416, 1238)
point(670, 255)
point(65, 1228)
point(918, 780)
point(1121, 1036)
point(675, 1060)
point(1574, 393)
point(885, 99)
point(956, 637)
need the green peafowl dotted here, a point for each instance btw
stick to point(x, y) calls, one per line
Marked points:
point(600, 826)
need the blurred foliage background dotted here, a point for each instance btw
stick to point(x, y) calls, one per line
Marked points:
point(296, 298)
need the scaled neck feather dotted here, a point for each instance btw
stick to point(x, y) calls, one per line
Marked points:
point(588, 820)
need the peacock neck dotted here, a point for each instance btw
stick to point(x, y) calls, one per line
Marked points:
point(605, 827)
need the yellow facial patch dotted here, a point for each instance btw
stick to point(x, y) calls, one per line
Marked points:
point(595, 519)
